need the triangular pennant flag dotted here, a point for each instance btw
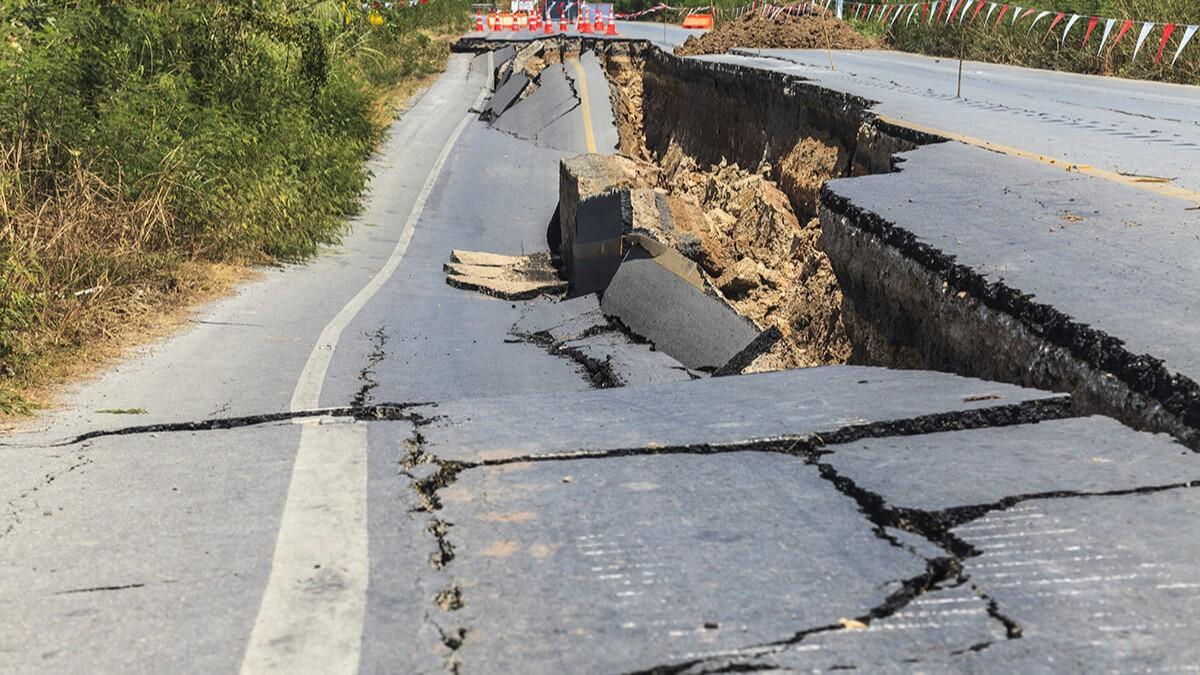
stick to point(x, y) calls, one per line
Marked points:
point(1091, 27)
point(1070, 24)
point(1167, 30)
point(1187, 37)
point(1016, 15)
point(1058, 17)
point(1035, 21)
point(950, 12)
point(962, 16)
point(936, 15)
point(1146, 28)
point(896, 16)
point(990, 10)
point(1108, 25)
point(1028, 12)
point(1121, 33)
point(1003, 11)
point(911, 12)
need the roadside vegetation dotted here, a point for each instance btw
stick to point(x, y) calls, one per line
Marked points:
point(149, 150)
point(1018, 45)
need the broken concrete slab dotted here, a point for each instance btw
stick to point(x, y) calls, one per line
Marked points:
point(827, 401)
point(596, 248)
point(962, 468)
point(500, 60)
point(1031, 278)
point(562, 320)
point(578, 329)
point(1098, 583)
point(501, 276)
point(584, 177)
point(551, 98)
point(698, 329)
point(505, 96)
point(623, 362)
point(641, 561)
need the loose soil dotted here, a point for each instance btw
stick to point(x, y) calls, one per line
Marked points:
point(754, 31)
point(765, 260)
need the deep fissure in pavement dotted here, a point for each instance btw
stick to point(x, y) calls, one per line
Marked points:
point(379, 340)
point(870, 292)
point(430, 474)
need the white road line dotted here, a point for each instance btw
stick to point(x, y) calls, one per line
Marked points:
point(313, 608)
point(312, 611)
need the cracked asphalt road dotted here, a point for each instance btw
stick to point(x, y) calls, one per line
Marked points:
point(459, 499)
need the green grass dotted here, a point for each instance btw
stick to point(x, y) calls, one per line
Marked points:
point(1017, 45)
point(139, 135)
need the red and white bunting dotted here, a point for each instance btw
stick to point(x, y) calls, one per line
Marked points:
point(1145, 32)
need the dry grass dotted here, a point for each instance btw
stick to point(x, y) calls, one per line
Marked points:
point(87, 273)
point(90, 275)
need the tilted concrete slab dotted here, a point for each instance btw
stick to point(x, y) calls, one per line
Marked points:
point(561, 320)
point(628, 363)
point(1047, 277)
point(552, 98)
point(699, 330)
point(506, 94)
point(723, 410)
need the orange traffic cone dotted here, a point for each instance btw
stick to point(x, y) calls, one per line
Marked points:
point(533, 23)
point(548, 27)
point(612, 24)
point(599, 22)
point(584, 26)
point(478, 22)
point(563, 26)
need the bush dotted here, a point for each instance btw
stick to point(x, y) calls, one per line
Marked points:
point(140, 134)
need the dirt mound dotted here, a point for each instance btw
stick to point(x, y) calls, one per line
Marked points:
point(753, 31)
point(765, 260)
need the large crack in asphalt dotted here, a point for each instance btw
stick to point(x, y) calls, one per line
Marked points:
point(941, 571)
point(377, 412)
point(367, 375)
point(430, 474)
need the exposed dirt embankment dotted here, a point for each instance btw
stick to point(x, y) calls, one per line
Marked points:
point(749, 155)
point(784, 32)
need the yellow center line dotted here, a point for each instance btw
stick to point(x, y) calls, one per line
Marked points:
point(1154, 184)
point(586, 109)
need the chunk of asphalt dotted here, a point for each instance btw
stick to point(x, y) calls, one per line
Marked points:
point(551, 99)
point(505, 96)
point(699, 330)
point(803, 403)
point(1041, 262)
point(596, 249)
point(961, 468)
point(627, 363)
point(1100, 583)
point(500, 57)
point(645, 560)
point(561, 320)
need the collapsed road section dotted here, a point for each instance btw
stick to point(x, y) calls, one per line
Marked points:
point(730, 167)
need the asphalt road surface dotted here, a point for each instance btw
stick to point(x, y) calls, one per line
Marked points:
point(351, 466)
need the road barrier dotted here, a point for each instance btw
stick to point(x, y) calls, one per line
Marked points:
point(698, 21)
